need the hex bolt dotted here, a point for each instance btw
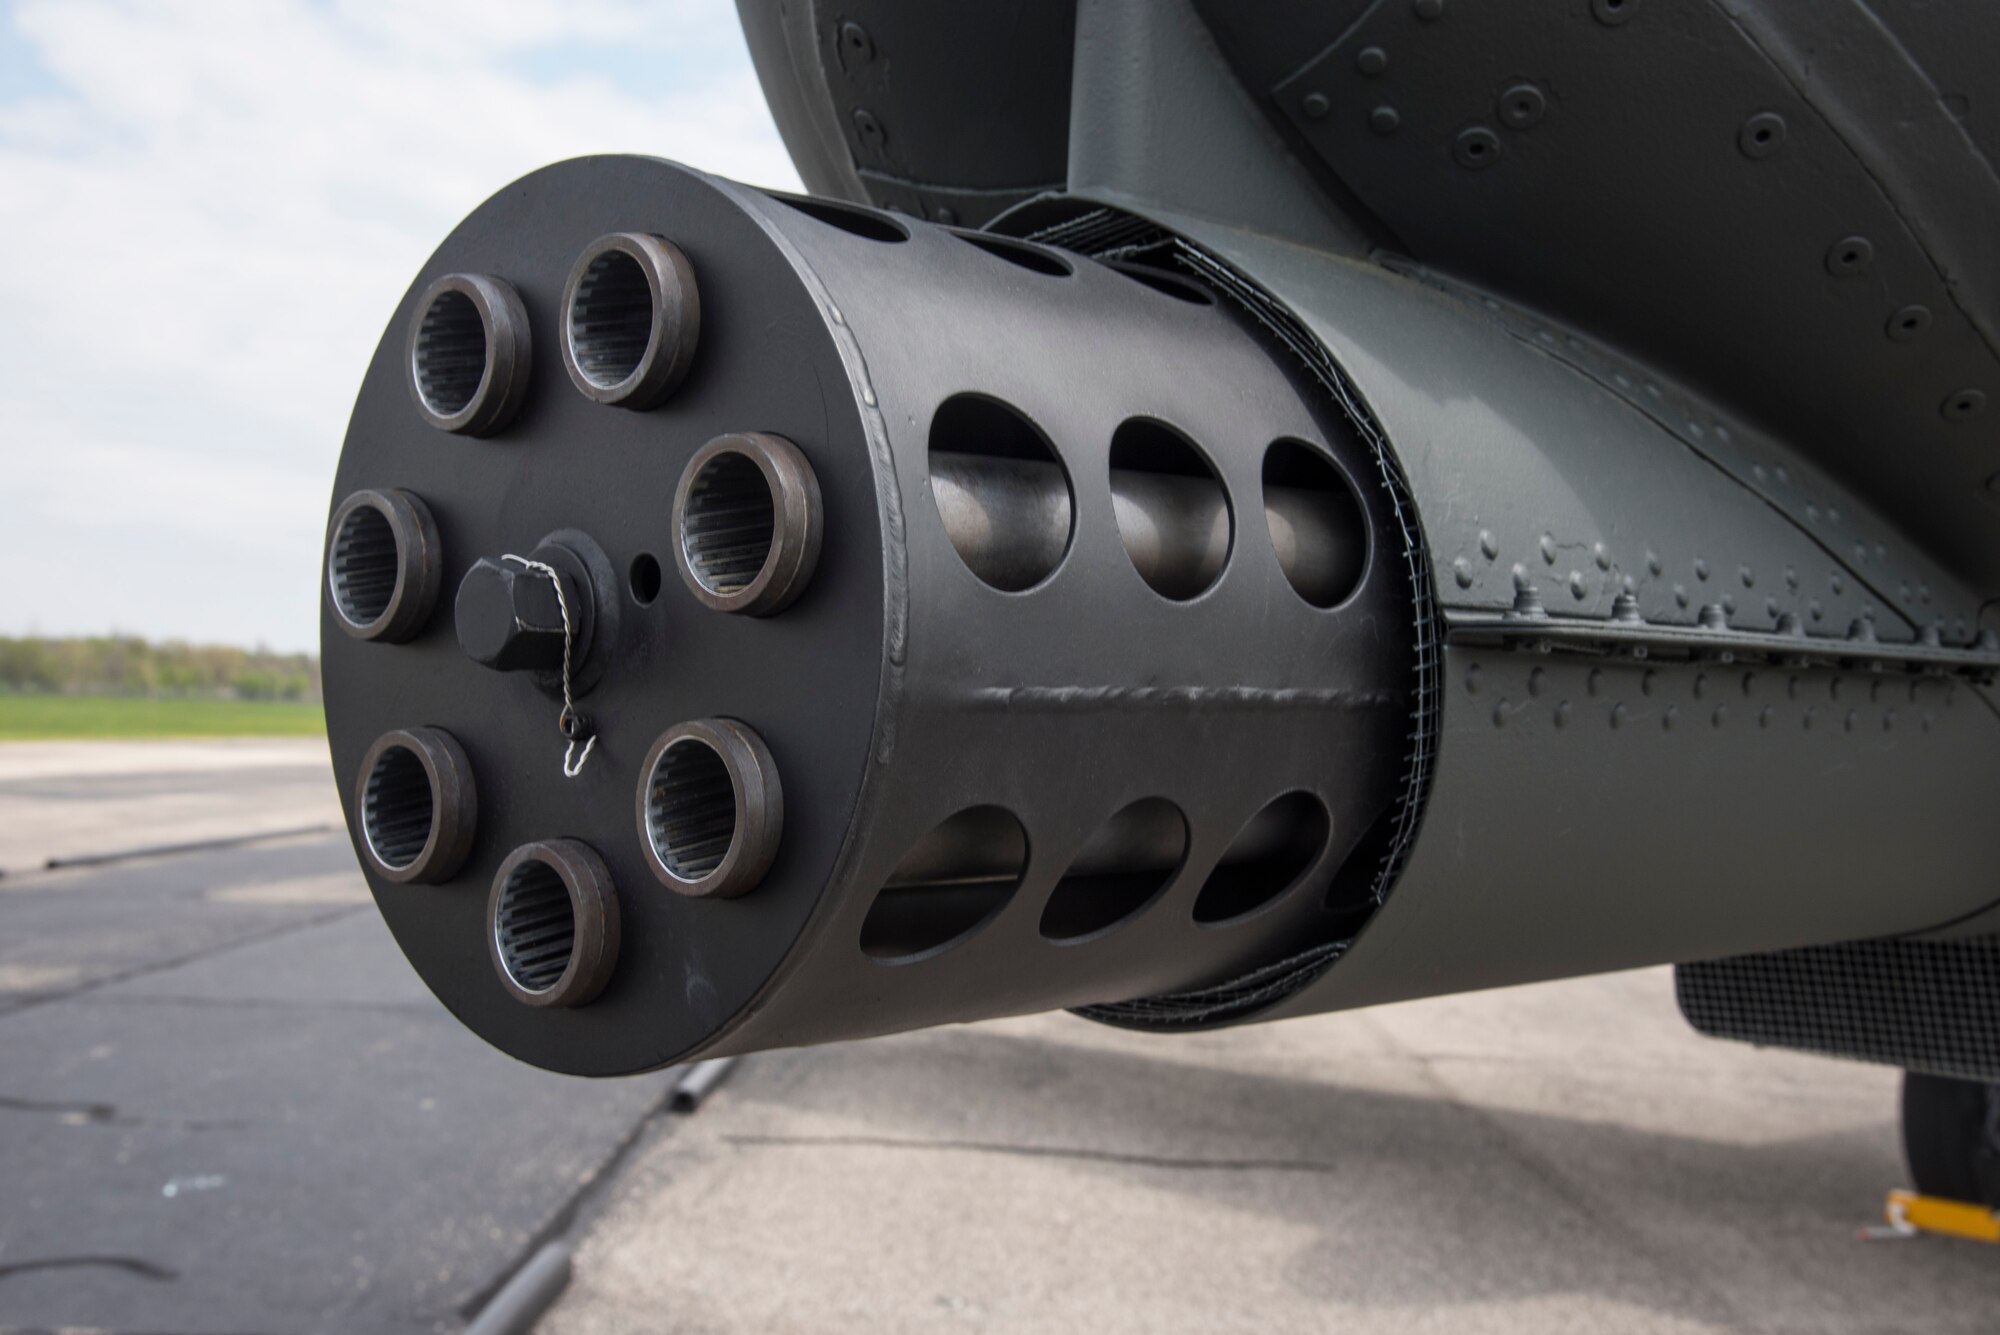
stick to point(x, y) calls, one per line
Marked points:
point(508, 618)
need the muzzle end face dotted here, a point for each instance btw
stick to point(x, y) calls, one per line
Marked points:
point(1028, 648)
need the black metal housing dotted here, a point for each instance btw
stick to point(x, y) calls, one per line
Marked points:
point(1061, 583)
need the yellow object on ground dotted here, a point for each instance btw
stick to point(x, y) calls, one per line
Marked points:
point(1934, 1214)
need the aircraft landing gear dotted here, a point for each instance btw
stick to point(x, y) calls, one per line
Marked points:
point(1951, 1138)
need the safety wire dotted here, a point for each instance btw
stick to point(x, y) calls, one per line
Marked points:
point(573, 725)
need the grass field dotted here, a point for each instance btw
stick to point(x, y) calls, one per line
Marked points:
point(54, 717)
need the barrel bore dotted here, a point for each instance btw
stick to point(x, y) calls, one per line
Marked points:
point(747, 524)
point(553, 923)
point(1268, 856)
point(710, 808)
point(384, 565)
point(417, 805)
point(1172, 510)
point(1008, 512)
point(1107, 884)
point(952, 882)
point(631, 319)
point(1001, 491)
point(1316, 524)
point(468, 354)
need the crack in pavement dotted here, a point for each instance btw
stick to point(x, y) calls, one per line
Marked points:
point(424, 1009)
point(135, 1265)
point(1038, 1152)
point(107, 1114)
point(15, 1005)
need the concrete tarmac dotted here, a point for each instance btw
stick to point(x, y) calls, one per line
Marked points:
point(1562, 1158)
point(227, 1104)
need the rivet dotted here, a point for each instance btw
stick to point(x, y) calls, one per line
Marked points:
point(1618, 715)
point(1749, 577)
point(1762, 135)
point(1889, 721)
point(1853, 717)
point(1385, 120)
point(1577, 588)
point(1611, 13)
point(1315, 106)
point(1965, 404)
point(1595, 681)
point(1764, 716)
point(1791, 579)
point(1771, 608)
point(1993, 485)
point(947, 215)
point(1908, 323)
point(1372, 60)
point(1562, 714)
point(1671, 719)
point(1522, 105)
point(1487, 545)
point(1850, 257)
point(1749, 684)
point(1700, 684)
point(1647, 682)
point(856, 43)
point(1681, 595)
point(1812, 716)
point(1814, 610)
point(1602, 556)
point(1720, 717)
point(871, 131)
point(1549, 548)
point(1476, 147)
point(1835, 582)
point(1461, 571)
point(1537, 681)
point(1500, 714)
point(1653, 563)
point(1729, 604)
point(1700, 568)
point(1429, 10)
point(1472, 680)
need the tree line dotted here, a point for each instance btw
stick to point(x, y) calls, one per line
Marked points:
point(129, 665)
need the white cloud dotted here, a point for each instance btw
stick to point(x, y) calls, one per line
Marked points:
point(210, 208)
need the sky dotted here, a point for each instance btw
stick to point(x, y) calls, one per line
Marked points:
point(176, 175)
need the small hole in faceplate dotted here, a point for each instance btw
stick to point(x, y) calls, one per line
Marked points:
point(644, 578)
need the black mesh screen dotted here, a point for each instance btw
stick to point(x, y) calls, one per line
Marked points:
point(1930, 1006)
